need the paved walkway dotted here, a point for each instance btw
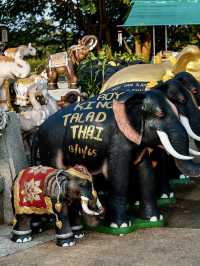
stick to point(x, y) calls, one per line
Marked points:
point(176, 244)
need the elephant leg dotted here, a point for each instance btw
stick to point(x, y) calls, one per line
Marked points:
point(147, 185)
point(21, 231)
point(163, 171)
point(64, 234)
point(71, 76)
point(119, 172)
point(75, 219)
point(173, 171)
point(52, 79)
point(5, 101)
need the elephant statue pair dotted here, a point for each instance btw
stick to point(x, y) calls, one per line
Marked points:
point(63, 63)
point(109, 134)
point(43, 190)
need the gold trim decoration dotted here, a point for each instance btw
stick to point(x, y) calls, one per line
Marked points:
point(172, 60)
point(168, 75)
point(58, 206)
point(151, 84)
point(14, 221)
point(58, 223)
point(74, 172)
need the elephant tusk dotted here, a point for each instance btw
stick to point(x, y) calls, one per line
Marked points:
point(99, 205)
point(185, 122)
point(194, 152)
point(84, 204)
point(169, 148)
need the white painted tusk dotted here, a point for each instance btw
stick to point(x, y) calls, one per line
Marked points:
point(99, 205)
point(193, 152)
point(185, 122)
point(84, 204)
point(169, 148)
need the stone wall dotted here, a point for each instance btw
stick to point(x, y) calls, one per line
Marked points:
point(12, 160)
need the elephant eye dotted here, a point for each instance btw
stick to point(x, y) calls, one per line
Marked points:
point(160, 114)
point(194, 90)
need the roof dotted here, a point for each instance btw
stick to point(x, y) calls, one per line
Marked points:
point(164, 12)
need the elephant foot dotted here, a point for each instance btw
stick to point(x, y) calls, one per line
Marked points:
point(167, 196)
point(156, 218)
point(183, 176)
point(78, 232)
point(65, 240)
point(149, 213)
point(120, 225)
point(21, 236)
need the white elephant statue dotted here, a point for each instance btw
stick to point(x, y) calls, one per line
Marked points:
point(23, 50)
point(13, 66)
point(38, 112)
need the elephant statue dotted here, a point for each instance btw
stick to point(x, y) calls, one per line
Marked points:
point(187, 60)
point(32, 93)
point(44, 190)
point(24, 50)
point(109, 133)
point(63, 63)
point(12, 67)
point(182, 91)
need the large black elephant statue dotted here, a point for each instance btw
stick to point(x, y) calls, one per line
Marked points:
point(184, 91)
point(47, 191)
point(108, 133)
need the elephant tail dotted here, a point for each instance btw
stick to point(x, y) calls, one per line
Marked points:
point(35, 149)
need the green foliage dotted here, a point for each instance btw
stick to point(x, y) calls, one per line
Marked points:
point(91, 72)
point(37, 64)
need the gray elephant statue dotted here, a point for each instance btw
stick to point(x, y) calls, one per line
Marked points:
point(43, 190)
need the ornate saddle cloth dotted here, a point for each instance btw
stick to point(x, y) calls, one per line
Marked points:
point(58, 60)
point(28, 191)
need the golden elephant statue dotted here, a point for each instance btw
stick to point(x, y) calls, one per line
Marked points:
point(187, 60)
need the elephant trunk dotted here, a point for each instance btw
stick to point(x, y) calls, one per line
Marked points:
point(188, 168)
point(177, 144)
point(90, 41)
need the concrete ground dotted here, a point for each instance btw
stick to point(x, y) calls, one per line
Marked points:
point(176, 244)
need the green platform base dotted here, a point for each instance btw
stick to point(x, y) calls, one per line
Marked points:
point(160, 202)
point(180, 181)
point(136, 224)
point(166, 202)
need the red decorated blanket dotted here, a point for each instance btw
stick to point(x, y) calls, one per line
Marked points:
point(28, 191)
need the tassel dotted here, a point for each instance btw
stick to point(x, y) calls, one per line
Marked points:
point(14, 221)
point(119, 38)
point(58, 223)
point(58, 206)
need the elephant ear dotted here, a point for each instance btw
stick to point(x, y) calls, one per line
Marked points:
point(123, 123)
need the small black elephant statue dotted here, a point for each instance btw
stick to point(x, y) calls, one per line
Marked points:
point(43, 190)
point(108, 134)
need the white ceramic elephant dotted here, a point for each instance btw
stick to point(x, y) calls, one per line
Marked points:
point(38, 112)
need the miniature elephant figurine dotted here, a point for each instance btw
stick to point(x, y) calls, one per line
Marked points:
point(63, 63)
point(40, 190)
